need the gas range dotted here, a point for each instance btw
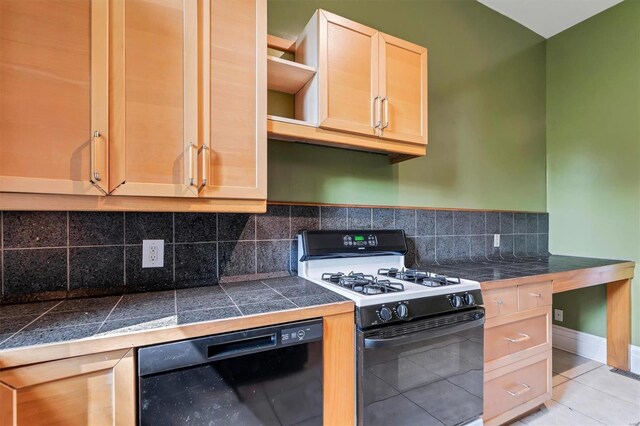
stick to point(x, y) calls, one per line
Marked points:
point(401, 314)
point(368, 267)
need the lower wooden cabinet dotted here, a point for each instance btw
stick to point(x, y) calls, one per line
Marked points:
point(97, 389)
point(516, 388)
point(517, 350)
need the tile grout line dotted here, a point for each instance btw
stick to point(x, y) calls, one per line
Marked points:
point(290, 243)
point(230, 298)
point(286, 298)
point(173, 247)
point(68, 256)
point(110, 312)
point(255, 244)
point(124, 249)
point(1, 255)
point(217, 248)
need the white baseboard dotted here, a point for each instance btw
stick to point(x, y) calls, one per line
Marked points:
point(635, 359)
point(589, 346)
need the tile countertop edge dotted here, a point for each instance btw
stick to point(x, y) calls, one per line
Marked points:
point(96, 344)
point(595, 275)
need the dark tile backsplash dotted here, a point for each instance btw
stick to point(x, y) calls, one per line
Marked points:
point(52, 255)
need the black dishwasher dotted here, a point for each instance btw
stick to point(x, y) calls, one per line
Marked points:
point(264, 376)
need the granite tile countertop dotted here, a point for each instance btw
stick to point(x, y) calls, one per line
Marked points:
point(71, 319)
point(502, 269)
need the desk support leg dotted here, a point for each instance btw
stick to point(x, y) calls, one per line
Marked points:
point(618, 323)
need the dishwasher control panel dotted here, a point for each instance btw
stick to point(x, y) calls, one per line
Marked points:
point(301, 332)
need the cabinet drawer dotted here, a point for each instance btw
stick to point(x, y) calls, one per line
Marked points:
point(512, 389)
point(535, 295)
point(500, 301)
point(520, 334)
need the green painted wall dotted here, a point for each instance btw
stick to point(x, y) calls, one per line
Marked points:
point(593, 150)
point(486, 113)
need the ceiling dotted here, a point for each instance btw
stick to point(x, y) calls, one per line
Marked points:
point(549, 17)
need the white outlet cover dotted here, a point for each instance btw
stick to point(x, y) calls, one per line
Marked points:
point(558, 315)
point(496, 240)
point(152, 253)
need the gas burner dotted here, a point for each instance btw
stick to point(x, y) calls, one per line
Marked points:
point(389, 272)
point(417, 276)
point(362, 283)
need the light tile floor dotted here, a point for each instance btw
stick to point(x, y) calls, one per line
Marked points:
point(586, 392)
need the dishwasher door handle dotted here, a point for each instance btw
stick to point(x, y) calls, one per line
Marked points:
point(422, 335)
point(240, 347)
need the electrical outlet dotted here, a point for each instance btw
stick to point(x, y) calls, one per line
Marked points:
point(152, 253)
point(558, 315)
point(496, 240)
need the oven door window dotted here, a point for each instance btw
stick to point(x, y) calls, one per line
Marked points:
point(436, 381)
point(276, 387)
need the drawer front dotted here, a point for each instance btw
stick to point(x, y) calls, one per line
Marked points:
point(535, 295)
point(500, 301)
point(512, 389)
point(516, 336)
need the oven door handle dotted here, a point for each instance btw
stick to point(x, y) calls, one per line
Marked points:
point(422, 335)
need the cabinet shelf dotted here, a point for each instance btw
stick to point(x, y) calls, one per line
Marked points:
point(292, 130)
point(287, 76)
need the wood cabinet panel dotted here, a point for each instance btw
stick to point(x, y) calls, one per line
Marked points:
point(53, 94)
point(500, 301)
point(521, 334)
point(153, 109)
point(94, 389)
point(507, 391)
point(348, 72)
point(403, 90)
point(535, 295)
point(339, 368)
point(233, 104)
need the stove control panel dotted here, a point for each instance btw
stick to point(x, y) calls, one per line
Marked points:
point(359, 240)
point(408, 310)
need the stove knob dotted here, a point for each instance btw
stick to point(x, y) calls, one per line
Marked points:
point(469, 299)
point(402, 311)
point(456, 301)
point(385, 314)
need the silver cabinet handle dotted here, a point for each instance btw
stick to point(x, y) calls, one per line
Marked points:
point(385, 106)
point(522, 338)
point(192, 178)
point(94, 161)
point(498, 302)
point(205, 165)
point(376, 112)
point(525, 389)
point(535, 294)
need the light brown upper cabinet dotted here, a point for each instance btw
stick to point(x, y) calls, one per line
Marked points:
point(370, 83)
point(233, 105)
point(54, 96)
point(364, 90)
point(348, 75)
point(161, 104)
point(403, 90)
point(154, 98)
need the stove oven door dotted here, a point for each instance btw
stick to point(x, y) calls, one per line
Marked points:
point(422, 372)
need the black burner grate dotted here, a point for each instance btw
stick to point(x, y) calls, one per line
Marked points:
point(362, 283)
point(418, 276)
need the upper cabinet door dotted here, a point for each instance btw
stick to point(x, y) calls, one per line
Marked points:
point(233, 114)
point(348, 75)
point(53, 96)
point(154, 97)
point(403, 90)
